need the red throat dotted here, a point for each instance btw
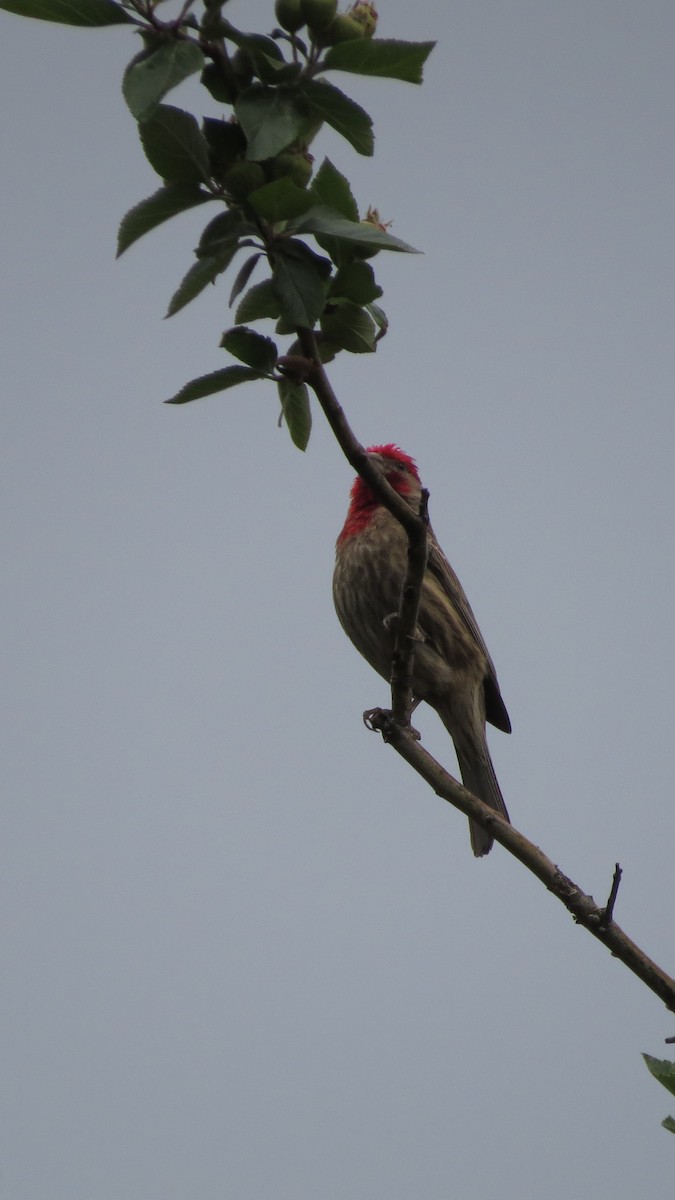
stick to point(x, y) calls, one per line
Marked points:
point(363, 502)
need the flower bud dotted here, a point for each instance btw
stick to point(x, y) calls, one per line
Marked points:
point(318, 14)
point(289, 15)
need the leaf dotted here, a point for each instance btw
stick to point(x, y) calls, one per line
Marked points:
point(384, 57)
point(270, 119)
point(380, 318)
point(669, 1124)
point(300, 280)
point(280, 201)
point(343, 114)
point(201, 273)
point(251, 348)
point(217, 381)
point(225, 228)
point(149, 213)
point(296, 412)
point(243, 275)
point(174, 145)
point(663, 1070)
point(356, 281)
point(71, 12)
point(361, 233)
point(149, 78)
point(350, 327)
point(332, 190)
point(260, 301)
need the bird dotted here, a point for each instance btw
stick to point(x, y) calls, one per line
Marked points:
point(452, 669)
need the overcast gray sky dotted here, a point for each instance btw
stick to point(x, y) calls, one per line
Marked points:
point(246, 953)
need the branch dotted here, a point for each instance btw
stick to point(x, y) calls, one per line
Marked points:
point(583, 908)
point(395, 725)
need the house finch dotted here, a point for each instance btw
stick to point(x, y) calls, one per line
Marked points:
point(452, 669)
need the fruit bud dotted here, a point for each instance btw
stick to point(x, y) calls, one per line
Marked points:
point(243, 178)
point(343, 29)
point(294, 165)
point(366, 14)
point(289, 15)
point(318, 14)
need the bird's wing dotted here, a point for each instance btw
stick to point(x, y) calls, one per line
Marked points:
point(438, 565)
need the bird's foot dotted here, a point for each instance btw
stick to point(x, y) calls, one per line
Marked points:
point(381, 720)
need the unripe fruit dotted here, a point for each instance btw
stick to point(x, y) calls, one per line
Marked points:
point(343, 29)
point(243, 178)
point(289, 15)
point(318, 14)
point(293, 165)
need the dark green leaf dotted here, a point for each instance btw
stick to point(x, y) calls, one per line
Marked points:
point(251, 348)
point(175, 146)
point(361, 233)
point(260, 301)
point(149, 213)
point(332, 190)
point(663, 1070)
point(350, 327)
point(343, 114)
point(148, 79)
point(380, 56)
point(226, 144)
point(669, 1124)
point(71, 12)
point(280, 200)
point(222, 231)
point(217, 381)
point(243, 275)
point(270, 119)
point(300, 280)
point(296, 412)
point(203, 272)
point(356, 282)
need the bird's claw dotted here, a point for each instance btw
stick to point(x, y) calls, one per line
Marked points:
point(381, 720)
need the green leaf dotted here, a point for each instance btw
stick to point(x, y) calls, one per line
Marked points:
point(149, 78)
point(350, 327)
point(227, 227)
point(174, 145)
point(280, 201)
point(203, 272)
point(71, 12)
point(380, 56)
point(663, 1070)
point(251, 348)
point(260, 301)
point(270, 119)
point(361, 233)
point(356, 281)
point(296, 412)
point(300, 280)
point(217, 381)
point(332, 190)
point(243, 275)
point(344, 115)
point(380, 318)
point(669, 1124)
point(149, 213)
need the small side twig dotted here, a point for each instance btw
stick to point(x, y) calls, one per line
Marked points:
point(609, 907)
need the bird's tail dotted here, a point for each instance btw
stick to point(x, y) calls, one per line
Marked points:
point(478, 776)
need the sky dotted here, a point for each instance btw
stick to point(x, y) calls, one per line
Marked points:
point(246, 953)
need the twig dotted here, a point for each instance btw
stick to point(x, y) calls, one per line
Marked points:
point(609, 907)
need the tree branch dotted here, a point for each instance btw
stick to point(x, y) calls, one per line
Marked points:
point(395, 725)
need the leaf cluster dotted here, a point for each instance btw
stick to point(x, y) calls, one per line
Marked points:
point(302, 226)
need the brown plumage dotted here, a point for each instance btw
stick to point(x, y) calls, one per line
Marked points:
point(452, 669)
